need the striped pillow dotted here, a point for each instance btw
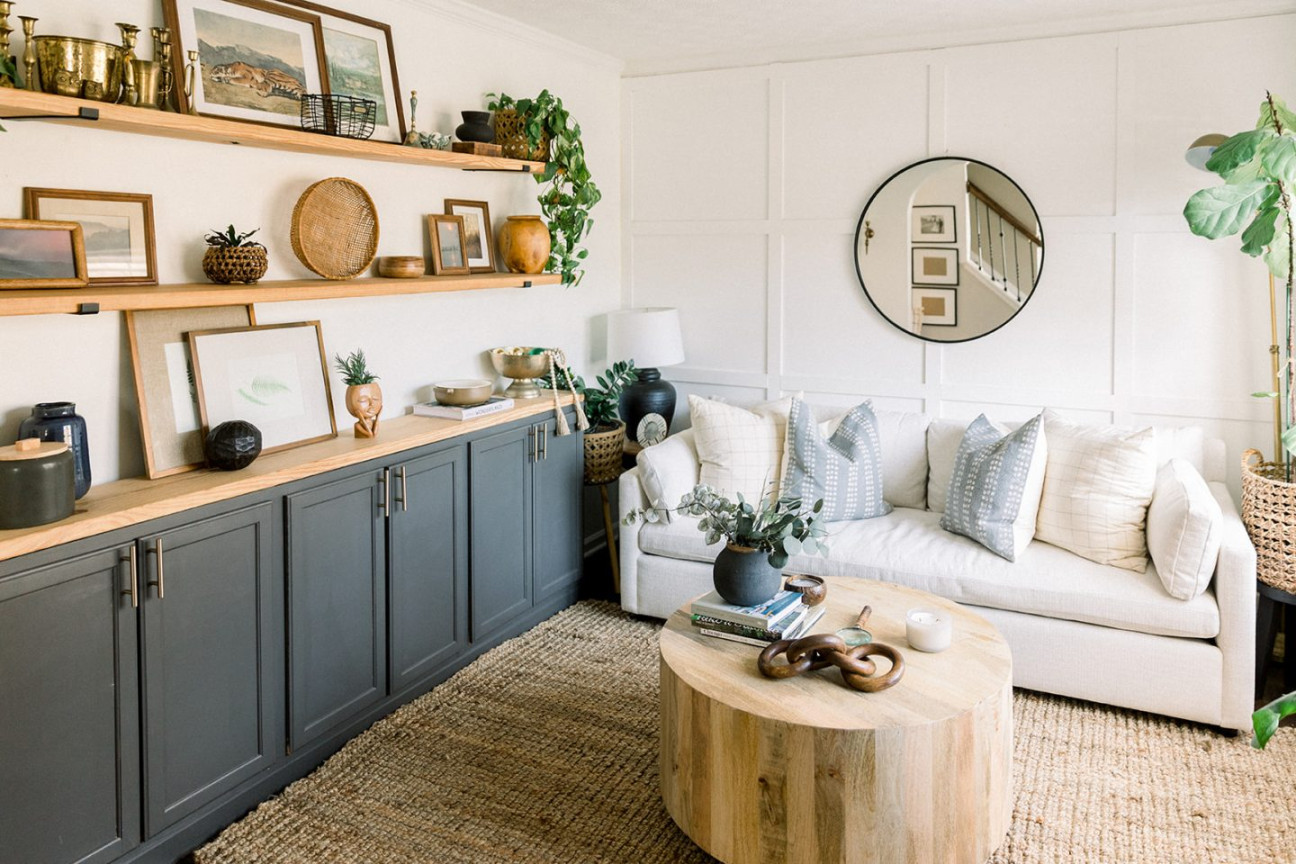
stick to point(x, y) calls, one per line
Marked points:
point(845, 470)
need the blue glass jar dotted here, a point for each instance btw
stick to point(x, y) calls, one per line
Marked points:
point(58, 421)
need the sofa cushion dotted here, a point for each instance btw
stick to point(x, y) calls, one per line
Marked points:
point(1184, 530)
point(844, 470)
point(995, 489)
point(907, 547)
point(1097, 487)
point(668, 471)
point(738, 450)
point(943, 439)
point(904, 452)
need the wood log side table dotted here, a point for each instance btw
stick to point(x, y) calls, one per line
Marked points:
point(806, 770)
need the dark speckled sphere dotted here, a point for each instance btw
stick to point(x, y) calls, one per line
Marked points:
point(232, 445)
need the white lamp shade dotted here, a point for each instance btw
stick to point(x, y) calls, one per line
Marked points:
point(650, 336)
point(1199, 152)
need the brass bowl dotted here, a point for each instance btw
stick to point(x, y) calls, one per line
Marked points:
point(79, 67)
point(521, 367)
point(463, 391)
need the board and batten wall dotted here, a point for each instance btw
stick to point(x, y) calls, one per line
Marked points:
point(742, 188)
point(451, 55)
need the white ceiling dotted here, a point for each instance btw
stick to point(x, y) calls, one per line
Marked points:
point(657, 36)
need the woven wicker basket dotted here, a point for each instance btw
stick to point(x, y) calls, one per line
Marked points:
point(335, 228)
point(1269, 513)
point(235, 265)
point(603, 455)
point(510, 133)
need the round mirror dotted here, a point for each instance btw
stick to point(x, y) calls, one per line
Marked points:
point(949, 249)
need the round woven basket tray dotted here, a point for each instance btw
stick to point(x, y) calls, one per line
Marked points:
point(335, 228)
point(1269, 513)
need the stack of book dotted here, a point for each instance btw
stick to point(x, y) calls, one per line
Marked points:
point(784, 616)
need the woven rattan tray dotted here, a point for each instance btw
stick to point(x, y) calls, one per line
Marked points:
point(335, 228)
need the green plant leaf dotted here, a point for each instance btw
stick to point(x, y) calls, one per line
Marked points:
point(792, 546)
point(1278, 157)
point(1286, 119)
point(778, 560)
point(1238, 150)
point(1265, 720)
point(1278, 258)
point(1222, 210)
point(1260, 233)
point(1289, 440)
point(1263, 395)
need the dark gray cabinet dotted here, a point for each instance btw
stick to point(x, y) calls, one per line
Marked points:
point(212, 649)
point(337, 601)
point(69, 733)
point(556, 490)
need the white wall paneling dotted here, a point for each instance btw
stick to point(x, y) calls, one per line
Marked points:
point(1135, 320)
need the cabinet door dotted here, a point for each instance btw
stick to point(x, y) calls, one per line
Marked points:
point(428, 564)
point(337, 603)
point(501, 528)
point(556, 512)
point(212, 672)
point(69, 733)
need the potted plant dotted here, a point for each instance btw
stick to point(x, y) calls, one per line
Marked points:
point(232, 258)
point(1265, 720)
point(778, 527)
point(364, 398)
point(604, 440)
point(1259, 171)
point(568, 192)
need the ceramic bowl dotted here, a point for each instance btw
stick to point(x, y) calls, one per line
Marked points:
point(462, 391)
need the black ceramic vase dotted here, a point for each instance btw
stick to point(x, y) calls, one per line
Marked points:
point(58, 421)
point(649, 394)
point(476, 127)
point(745, 577)
point(232, 445)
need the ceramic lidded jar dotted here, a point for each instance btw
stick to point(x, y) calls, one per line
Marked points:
point(58, 421)
point(524, 244)
point(37, 483)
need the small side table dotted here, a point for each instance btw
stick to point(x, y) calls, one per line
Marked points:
point(1267, 631)
point(609, 531)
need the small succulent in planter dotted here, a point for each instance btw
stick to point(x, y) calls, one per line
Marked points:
point(364, 399)
point(232, 258)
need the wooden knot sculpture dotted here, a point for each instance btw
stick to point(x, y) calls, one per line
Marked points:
point(824, 649)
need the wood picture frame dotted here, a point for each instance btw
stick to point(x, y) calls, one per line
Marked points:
point(37, 253)
point(352, 43)
point(170, 418)
point(933, 224)
point(285, 58)
point(479, 241)
point(933, 266)
point(116, 230)
point(274, 377)
point(938, 306)
point(449, 256)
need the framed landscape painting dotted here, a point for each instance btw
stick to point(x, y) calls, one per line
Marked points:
point(446, 234)
point(41, 254)
point(479, 246)
point(362, 63)
point(255, 59)
point(116, 227)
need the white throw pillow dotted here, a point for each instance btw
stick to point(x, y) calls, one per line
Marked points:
point(943, 439)
point(1097, 487)
point(1184, 530)
point(738, 450)
point(668, 471)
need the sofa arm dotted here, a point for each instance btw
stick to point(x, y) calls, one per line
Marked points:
point(1235, 592)
point(630, 497)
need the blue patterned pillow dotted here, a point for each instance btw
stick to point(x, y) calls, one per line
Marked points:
point(845, 470)
point(994, 491)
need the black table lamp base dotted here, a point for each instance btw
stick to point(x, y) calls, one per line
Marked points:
point(648, 395)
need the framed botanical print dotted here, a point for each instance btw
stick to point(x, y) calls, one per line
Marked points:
point(935, 306)
point(170, 420)
point(935, 266)
point(255, 59)
point(116, 228)
point(39, 253)
point(446, 234)
point(933, 224)
point(479, 244)
point(274, 377)
point(362, 63)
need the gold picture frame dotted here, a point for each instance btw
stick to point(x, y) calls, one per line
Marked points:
point(116, 230)
point(38, 253)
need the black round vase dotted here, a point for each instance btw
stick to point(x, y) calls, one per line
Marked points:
point(58, 421)
point(232, 445)
point(476, 127)
point(745, 577)
point(648, 395)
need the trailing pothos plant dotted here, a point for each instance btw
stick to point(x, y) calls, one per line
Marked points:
point(568, 192)
point(1259, 171)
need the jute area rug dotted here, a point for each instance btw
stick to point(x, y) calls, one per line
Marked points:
point(545, 750)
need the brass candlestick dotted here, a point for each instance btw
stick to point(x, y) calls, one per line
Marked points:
point(5, 8)
point(190, 88)
point(166, 80)
point(130, 88)
point(29, 51)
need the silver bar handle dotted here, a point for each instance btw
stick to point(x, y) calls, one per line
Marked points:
point(384, 503)
point(160, 582)
point(133, 590)
point(404, 491)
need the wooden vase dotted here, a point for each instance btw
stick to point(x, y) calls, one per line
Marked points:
point(524, 244)
point(364, 402)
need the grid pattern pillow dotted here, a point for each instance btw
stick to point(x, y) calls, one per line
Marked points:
point(1097, 488)
point(845, 470)
point(738, 450)
point(1185, 527)
point(994, 491)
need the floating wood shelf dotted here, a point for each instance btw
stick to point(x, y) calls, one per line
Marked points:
point(115, 299)
point(25, 104)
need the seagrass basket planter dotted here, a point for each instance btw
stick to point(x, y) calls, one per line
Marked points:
point(235, 265)
point(1269, 513)
point(510, 134)
point(603, 455)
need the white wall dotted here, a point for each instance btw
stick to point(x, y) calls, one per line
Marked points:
point(743, 187)
point(452, 58)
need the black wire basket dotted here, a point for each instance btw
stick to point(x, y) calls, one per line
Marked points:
point(345, 116)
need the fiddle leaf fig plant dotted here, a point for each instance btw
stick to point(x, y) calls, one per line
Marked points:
point(568, 192)
point(1259, 171)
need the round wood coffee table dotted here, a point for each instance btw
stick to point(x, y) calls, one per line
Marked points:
point(805, 769)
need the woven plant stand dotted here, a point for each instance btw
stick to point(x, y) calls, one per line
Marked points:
point(1269, 513)
point(510, 133)
point(235, 265)
point(603, 455)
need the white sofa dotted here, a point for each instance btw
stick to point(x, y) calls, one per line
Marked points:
point(1076, 628)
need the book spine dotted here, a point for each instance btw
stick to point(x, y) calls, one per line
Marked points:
point(762, 633)
point(777, 610)
point(733, 637)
